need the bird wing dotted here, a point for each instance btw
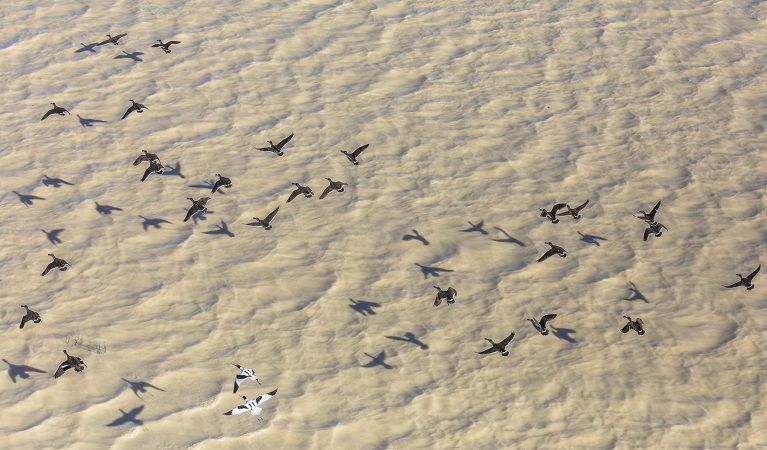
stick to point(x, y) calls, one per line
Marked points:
point(119, 36)
point(107, 41)
point(264, 149)
point(284, 141)
point(271, 215)
point(359, 150)
point(156, 45)
point(326, 191)
point(753, 274)
point(506, 341)
point(579, 208)
point(437, 301)
point(488, 351)
point(238, 410)
point(739, 283)
point(626, 327)
point(24, 320)
point(218, 184)
point(548, 253)
point(556, 208)
point(140, 159)
point(48, 113)
point(654, 210)
point(191, 211)
point(238, 379)
point(294, 194)
point(647, 232)
point(264, 397)
point(545, 319)
point(49, 267)
point(172, 42)
point(147, 172)
point(130, 110)
point(63, 367)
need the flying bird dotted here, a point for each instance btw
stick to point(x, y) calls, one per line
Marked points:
point(654, 227)
point(334, 185)
point(72, 362)
point(745, 281)
point(636, 325)
point(112, 39)
point(252, 405)
point(356, 153)
point(276, 148)
point(448, 295)
point(306, 190)
point(57, 263)
point(154, 167)
point(575, 212)
point(265, 222)
point(552, 215)
point(138, 107)
point(30, 315)
point(222, 181)
point(541, 325)
point(554, 250)
point(165, 46)
point(244, 374)
point(649, 217)
point(198, 206)
point(498, 346)
point(55, 110)
point(145, 157)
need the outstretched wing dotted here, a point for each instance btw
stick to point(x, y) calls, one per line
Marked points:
point(545, 319)
point(647, 232)
point(47, 114)
point(218, 184)
point(120, 36)
point(172, 42)
point(140, 159)
point(130, 110)
point(654, 210)
point(238, 379)
point(147, 172)
point(24, 320)
point(264, 397)
point(271, 215)
point(189, 213)
point(326, 191)
point(238, 410)
point(506, 341)
point(437, 301)
point(548, 253)
point(626, 327)
point(579, 208)
point(155, 45)
point(63, 367)
point(48, 268)
point(487, 352)
point(734, 285)
point(284, 141)
point(293, 195)
point(753, 274)
point(360, 150)
point(107, 41)
point(264, 149)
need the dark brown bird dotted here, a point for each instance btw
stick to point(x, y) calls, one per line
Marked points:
point(138, 107)
point(498, 346)
point(55, 110)
point(552, 215)
point(57, 263)
point(145, 157)
point(306, 190)
point(654, 227)
point(198, 206)
point(265, 222)
point(276, 148)
point(575, 212)
point(154, 167)
point(746, 281)
point(72, 362)
point(165, 46)
point(636, 325)
point(448, 295)
point(222, 181)
point(112, 39)
point(30, 315)
point(541, 326)
point(554, 250)
point(334, 186)
point(353, 156)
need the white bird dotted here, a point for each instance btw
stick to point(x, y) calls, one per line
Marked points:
point(245, 373)
point(252, 405)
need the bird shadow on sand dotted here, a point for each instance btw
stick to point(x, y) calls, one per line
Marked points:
point(415, 236)
point(134, 56)
point(635, 294)
point(27, 199)
point(106, 210)
point(378, 360)
point(363, 307)
point(591, 239)
point(409, 337)
point(564, 334)
point(53, 236)
point(153, 222)
point(201, 217)
point(508, 239)
point(174, 171)
point(140, 386)
point(20, 371)
point(87, 47)
point(208, 185)
point(476, 228)
point(223, 228)
point(128, 417)
point(85, 123)
point(433, 271)
point(55, 182)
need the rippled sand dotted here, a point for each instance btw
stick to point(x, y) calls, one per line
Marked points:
point(475, 111)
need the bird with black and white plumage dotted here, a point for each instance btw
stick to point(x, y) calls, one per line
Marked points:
point(541, 325)
point(112, 39)
point(636, 325)
point(154, 167)
point(222, 182)
point(72, 362)
point(745, 281)
point(352, 157)
point(306, 190)
point(30, 316)
point(138, 107)
point(448, 295)
point(252, 405)
point(654, 228)
point(245, 374)
point(498, 346)
point(57, 263)
point(276, 148)
point(198, 206)
point(266, 222)
point(165, 46)
point(651, 216)
point(145, 157)
point(552, 215)
point(55, 110)
point(554, 250)
point(337, 186)
point(575, 212)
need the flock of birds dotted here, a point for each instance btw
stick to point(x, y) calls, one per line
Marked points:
point(199, 206)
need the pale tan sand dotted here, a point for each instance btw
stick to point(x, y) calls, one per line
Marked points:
point(474, 111)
